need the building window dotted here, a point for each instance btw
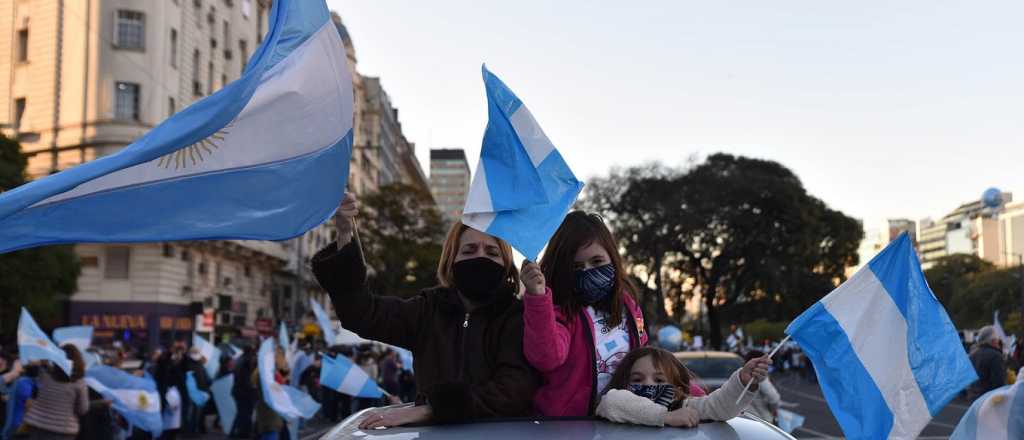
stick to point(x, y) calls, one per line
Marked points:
point(168, 250)
point(131, 30)
point(223, 80)
point(197, 87)
point(243, 53)
point(19, 112)
point(117, 266)
point(171, 107)
point(126, 105)
point(227, 40)
point(22, 56)
point(209, 77)
point(174, 48)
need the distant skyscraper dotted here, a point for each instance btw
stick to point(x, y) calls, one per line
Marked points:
point(449, 181)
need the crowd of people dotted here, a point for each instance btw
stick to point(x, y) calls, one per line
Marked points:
point(38, 400)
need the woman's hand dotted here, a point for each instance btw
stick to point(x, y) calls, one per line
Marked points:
point(532, 278)
point(756, 370)
point(391, 417)
point(343, 218)
point(683, 417)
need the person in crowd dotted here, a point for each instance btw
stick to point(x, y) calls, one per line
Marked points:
point(767, 399)
point(466, 333)
point(389, 369)
point(987, 358)
point(171, 413)
point(13, 388)
point(589, 309)
point(244, 393)
point(368, 363)
point(651, 387)
point(268, 423)
point(193, 423)
point(62, 400)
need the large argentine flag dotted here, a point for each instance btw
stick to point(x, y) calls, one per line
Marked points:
point(341, 375)
point(265, 158)
point(330, 338)
point(285, 400)
point(34, 345)
point(996, 415)
point(78, 335)
point(886, 354)
point(522, 188)
point(135, 398)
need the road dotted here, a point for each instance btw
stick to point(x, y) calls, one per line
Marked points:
point(819, 423)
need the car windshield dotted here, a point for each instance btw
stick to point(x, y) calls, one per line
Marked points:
point(707, 368)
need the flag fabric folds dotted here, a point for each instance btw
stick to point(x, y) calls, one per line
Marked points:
point(226, 408)
point(324, 321)
point(789, 421)
point(211, 353)
point(996, 415)
point(300, 362)
point(341, 375)
point(34, 345)
point(264, 158)
point(285, 400)
point(134, 398)
point(78, 335)
point(282, 337)
point(198, 396)
point(522, 188)
point(887, 357)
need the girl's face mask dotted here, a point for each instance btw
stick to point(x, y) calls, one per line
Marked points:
point(662, 394)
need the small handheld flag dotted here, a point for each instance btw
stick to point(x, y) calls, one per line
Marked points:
point(522, 188)
point(285, 400)
point(79, 335)
point(886, 354)
point(226, 408)
point(324, 322)
point(211, 353)
point(34, 345)
point(198, 396)
point(341, 375)
point(134, 398)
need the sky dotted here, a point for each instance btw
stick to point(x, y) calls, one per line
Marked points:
point(883, 109)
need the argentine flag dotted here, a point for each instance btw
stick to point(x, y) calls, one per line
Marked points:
point(996, 415)
point(264, 158)
point(341, 375)
point(34, 345)
point(78, 335)
point(324, 321)
point(522, 188)
point(226, 406)
point(211, 353)
point(196, 395)
point(886, 354)
point(134, 398)
point(285, 400)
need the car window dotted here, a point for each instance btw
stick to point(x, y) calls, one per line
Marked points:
point(713, 368)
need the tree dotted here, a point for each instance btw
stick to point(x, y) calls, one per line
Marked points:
point(971, 289)
point(953, 273)
point(36, 278)
point(402, 235)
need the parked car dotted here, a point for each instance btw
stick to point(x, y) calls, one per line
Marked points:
point(712, 368)
point(745, 427)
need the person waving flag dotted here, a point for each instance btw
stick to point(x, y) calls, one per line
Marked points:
point(264, 158)
point(34, 345)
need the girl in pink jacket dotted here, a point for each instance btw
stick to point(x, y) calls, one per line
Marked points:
point(578, 331)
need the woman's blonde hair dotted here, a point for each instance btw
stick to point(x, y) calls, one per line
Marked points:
point(445, 270)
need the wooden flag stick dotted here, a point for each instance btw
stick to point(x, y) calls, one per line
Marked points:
point(777, 347)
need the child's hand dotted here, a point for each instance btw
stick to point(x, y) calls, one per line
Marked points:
point(533, 278)
point(682, 417)
point(756, 370)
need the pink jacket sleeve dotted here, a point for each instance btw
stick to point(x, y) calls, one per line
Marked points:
point(545, 340)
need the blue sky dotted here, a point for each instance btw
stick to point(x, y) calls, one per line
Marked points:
point(884, 109)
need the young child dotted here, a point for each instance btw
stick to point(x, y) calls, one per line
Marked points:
point(651, 387)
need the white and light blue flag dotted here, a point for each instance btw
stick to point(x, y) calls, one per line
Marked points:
point(324, 321)
point(341, 375)
point(91, 358)
point(287, 401)
point(34, 345)
point(226, 407)
point(996, 415)
point(264, 158)
point(300, 362)
point(196, 395)
point(282, 337)
point(888, 358)
point(134, 398)
point(78, 335)
point(789, 421)
point(522, 188)
point(210, 352)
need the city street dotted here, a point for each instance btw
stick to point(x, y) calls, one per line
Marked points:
point(805, 398)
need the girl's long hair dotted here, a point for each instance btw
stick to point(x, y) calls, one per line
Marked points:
point(674, 370)
point(578, 230)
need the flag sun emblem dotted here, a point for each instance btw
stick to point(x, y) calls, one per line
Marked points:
point(143, 401)
point(192, 155)
point(41, 342)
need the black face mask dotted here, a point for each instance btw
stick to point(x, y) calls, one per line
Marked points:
point(479, 279)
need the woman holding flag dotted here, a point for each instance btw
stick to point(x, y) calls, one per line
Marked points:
point(62, 400)
point(466, 334)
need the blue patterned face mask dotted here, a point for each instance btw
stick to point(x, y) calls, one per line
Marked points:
point(662, 394)
point(593, 285)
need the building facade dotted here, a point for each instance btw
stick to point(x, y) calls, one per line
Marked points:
point(971, 228)
point(449, 181)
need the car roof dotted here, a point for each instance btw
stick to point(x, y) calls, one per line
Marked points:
point(688, 355)
point(745, 427)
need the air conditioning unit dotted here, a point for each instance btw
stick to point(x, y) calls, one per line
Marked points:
point(224, 318)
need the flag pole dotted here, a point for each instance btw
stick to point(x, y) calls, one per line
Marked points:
point(777, 347)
